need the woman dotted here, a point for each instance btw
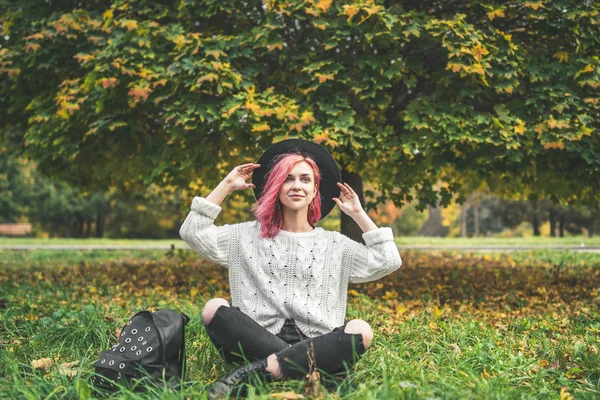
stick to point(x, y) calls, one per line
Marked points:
point(288, 279)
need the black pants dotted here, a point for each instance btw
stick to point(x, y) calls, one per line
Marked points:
point(238, 337)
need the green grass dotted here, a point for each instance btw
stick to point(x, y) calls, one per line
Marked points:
point(401, 240)
point(6, 241)
point(448, 325)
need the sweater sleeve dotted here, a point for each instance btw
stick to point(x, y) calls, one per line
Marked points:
point(378, 258)
point(204, 237)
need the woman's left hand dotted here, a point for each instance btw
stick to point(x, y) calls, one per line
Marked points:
point(348, 200)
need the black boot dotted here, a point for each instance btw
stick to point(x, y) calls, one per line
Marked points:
point(233, 382)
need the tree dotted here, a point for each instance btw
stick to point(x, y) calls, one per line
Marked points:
point(125, 93)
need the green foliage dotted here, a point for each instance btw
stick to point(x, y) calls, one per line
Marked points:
point(131, 92)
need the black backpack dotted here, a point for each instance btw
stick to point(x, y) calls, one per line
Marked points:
point(151, 346)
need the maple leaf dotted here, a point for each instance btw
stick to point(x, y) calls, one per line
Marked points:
point(130, 24)
point(412, 30)
point(498, 13)
point(139, 92)
point(161, 82)
point(554, 145)
point(324, 77)
point(180, 41)
point(561, 56)
point(216, 53)
point(534, 5)
point(278, 45)
point(107, 82)
point(455, 67)
point(208, 77)
point(32, 46)
point(323, 5)
point(255, 108)
point(261, 127)
point(351, 10)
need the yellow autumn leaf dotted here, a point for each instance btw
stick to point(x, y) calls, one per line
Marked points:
point(390, 295)
point(108, 14)
point(139, 92)
point(554, 145)
point(130, 24)
point(261, 127)
point(320, 25)
point(479, 51)
point(32, 47)
point(351, 11)
point(180, 41)
point(323, 5)
point(321, 137)
point(561, 56)
point(274, 46)
point(255, 108)
point(539, 129)
point(455, 67)
point(498, 13)
point(520, 128)
point(324, 77)
point(400, 309)
point(208, 77)
point(534, 5)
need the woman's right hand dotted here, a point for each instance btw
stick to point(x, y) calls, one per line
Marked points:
point(236, 179)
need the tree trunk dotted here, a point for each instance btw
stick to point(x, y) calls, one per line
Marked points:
point(535, 221)
point(561, 225)
point(552, 217)
point(348, 226)
point(476, 219)
point(100, 217)
point(463, 219)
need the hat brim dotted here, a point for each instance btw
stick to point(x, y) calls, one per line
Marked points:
point(330, 173)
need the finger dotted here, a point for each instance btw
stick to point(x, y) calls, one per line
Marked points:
point(342, 188)
point(337, 201)
point(250, 185)
point(349, 188)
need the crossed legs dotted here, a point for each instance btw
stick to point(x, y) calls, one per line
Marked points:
point(235, 334)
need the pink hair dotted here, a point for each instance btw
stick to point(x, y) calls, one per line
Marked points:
point(268, 208)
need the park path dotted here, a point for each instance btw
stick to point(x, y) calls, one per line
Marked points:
point(479, 248)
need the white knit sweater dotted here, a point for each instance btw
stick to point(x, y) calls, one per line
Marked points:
point(300, 276)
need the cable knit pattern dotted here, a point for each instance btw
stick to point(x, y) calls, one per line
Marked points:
point(301, 276)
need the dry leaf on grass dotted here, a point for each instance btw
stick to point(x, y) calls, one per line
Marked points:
point(67, 369)
point(287, 395)
point(43, 363)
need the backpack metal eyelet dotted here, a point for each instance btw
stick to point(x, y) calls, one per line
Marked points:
point(137, 353)
point(103, 361)
point(122, 349)
point(128, 340)
point(149, 349)
point(122, 365)
point(140, 338)
point(111, 362)
point(144, 343)
point(147, 329)
point(133, 331)
point(123, 333)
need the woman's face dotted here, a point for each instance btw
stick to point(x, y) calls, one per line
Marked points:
point(298, 189)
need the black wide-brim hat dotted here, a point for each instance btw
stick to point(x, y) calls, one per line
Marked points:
point(330, 173)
